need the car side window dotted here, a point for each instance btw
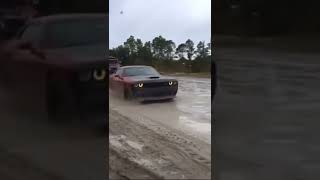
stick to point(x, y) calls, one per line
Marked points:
point(33, 33)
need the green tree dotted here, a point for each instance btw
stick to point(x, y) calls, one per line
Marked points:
point(181, 50)
point(148, 48)
point(144, 54)
point(139, 47)
point(202, 51)
point(159, 45)
point(209, 44)
point(131, 45)
point(139, 44)
point(159, 52)
point(163, 48)
point(169, 48)
point(122, 53)
point(189, 48)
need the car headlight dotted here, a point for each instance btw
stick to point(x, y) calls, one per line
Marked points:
point(139, 85)
point(172, 83)
point(99, 74)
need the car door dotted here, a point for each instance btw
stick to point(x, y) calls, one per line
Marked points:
point(24, 66)
point(114, 80)
point(118, 81)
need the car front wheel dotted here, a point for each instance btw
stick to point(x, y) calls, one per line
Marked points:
point(127, 94)
point(51, 99)
point(60, 100)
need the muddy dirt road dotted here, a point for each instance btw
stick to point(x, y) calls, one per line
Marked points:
point(168, 140)
point(190, 112)
point(267, 114)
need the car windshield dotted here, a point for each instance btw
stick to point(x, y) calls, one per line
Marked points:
point(78, 33)
point(140, 71)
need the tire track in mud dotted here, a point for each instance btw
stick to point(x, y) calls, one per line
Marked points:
point(122, 168)
point(160, 150)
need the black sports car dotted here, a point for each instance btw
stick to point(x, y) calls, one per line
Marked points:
point(70, 52)
point(143, 83)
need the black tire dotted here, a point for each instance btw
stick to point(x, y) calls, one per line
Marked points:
point(51, 99)
point(60, 100)
point(126, 94)
point(170, 99)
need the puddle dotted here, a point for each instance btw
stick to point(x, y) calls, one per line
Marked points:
point(196, 126)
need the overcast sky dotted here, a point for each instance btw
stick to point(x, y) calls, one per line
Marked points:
point(177, 20)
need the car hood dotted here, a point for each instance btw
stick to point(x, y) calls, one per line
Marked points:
point(150, 78)
point(92, 55)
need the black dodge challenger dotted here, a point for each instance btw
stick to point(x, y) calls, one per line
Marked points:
point(70, 51)
point(143, 83)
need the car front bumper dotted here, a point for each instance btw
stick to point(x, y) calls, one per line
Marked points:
point(156, 93)
point(93, 92)
point(155, 98)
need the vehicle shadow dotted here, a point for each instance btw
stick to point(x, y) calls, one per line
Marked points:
point(157, 101)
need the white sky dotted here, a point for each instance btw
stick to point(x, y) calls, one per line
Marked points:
point(177, 20)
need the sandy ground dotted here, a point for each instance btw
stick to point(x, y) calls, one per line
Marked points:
point(170, 140)
point(267, 112)
point(162, 151)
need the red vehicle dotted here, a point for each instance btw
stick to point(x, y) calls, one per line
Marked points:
point(70, 52)
point(143, 83)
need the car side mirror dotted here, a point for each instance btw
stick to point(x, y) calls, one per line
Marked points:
point(23, 45)
point(14, 45)
point(118, 76)
point(32, 48)
point(37, 52)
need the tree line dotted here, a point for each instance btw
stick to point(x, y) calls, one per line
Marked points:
point(165, 55)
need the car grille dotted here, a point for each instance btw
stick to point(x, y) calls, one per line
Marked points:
point(155, 92)
point(159, 94)
point(156, 84)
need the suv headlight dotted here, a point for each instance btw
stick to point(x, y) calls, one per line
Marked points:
point(138, 85)
point(172, 83)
